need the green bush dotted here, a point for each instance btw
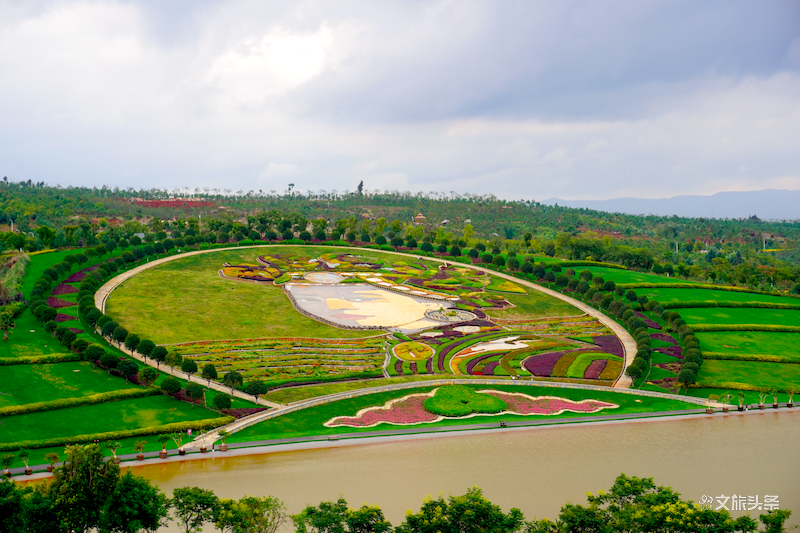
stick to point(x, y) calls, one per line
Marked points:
point(738, 305)
point(117, 435)
point(62, 403)
point(40, 359)
point(459, 400)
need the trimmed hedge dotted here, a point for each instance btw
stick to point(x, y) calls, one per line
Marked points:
point(776, 328)
point(112, 396)
point(739, 305)
point(41, 359)
point(681, 285)
point(210, 423)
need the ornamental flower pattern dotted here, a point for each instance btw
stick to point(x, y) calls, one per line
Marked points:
point(409, 410)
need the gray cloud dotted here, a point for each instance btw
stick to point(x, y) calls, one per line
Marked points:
point(520, 99)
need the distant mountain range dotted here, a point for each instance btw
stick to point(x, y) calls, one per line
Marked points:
point(769, 204)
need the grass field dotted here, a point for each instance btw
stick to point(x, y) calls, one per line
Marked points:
point(194, 303)
point(628, 276)
point(28, 338)
point(760, 374)
point(309, 421)
point(534, 304)
point(709, 295)
point(751, 342)
point(711, 315)
point(98, 418)
point(24, 384)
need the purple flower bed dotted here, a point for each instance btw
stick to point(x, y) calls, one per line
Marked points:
point(61, 317)
point(455, 346)
point(544, 405)
point(488, 370)
point(542, 364)
point(429, 365)
point(76, 331)
point(471, 365)
point(58, 303)
point(609, 344)
point(76, 277)
point(663, 337)
point(408, 410)
point(595, 368)
point(650, 323)
point(413, 367)
point(674, 351)
point(64, 289)
point(398, 367)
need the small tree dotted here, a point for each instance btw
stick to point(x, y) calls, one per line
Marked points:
point(139, 446)
point(128, 368)
point(7, 459)
point(145, 347)
point(177, 438)
point(189, 366)
point(686, 378)
point(51, 458)
point(147, 376)
point(163, 440)
point(256, 388)
point(159, 355)
point(233, 379)
point(6, 323)
point(109, 361)
point(171, 386)
point(209, 372)
point(113, 446)
point(762, 396)
point(119, 335)
point(194, 507)
point(132, 341)
point(774, 393)
point(25, 457)
point(194, 392)
point(222, 402)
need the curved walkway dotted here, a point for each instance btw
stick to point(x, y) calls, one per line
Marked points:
point(212, 436)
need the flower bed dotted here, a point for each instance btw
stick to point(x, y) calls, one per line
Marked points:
point(674, 351)
point(410, 409)
point(488, 370)
point(64, 289)
point(58, 303)
point(595, 368)
point(542, 364)
point(610, 344)
point(665, 337)
point(650, 323)
point(76, 277)
point(61, 317)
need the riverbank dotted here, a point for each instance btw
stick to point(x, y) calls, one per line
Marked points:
point(395, 435)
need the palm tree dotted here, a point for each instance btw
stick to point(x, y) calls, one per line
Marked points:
point(6, 323)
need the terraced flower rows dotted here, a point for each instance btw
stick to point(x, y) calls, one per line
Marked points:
point(288, 358)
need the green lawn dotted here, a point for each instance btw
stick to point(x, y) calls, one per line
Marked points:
point(709, 295)
point(194, 303)
point(760, 374)
point(716, 315)
point(41, 262)
point(627, 276)
point(751, 343)
point(24, 384)
point(99, 418)
point(309, 421)
point(28, 338)
point(534, 304)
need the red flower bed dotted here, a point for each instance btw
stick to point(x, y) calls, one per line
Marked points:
point(595, 368)
point(429, 365)
point(488, 370)
point(650, 323)
point(241, 413)
point(663, 337)
point(674, 351)
point(64, 289)
point(542, 364)
point(609, 344)
point(547, 405)
point(61, 317)
point(407, 410)
point(76, 331)
point(76, 277)
point(413, 367)
point(398, 367)
point(58, 303)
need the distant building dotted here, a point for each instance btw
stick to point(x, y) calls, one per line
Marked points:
point(419, 219)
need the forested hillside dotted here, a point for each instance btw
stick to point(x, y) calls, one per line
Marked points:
point(720, 251)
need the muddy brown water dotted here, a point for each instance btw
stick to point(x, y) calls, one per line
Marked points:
point(536, 470)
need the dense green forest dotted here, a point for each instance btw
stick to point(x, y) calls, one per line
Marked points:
point(751, 252)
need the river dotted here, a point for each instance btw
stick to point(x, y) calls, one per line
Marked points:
point(536, 470)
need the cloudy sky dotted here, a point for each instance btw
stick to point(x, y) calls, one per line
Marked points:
point(522, 99)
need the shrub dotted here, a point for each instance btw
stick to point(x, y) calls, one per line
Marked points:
point(222, 401)
point(147, 376)
point(171, 386)
point(109, 361)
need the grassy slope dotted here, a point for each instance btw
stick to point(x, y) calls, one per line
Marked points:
point(24, 384)
point(98, 418)
point(710, 295)
point(710, 315)
point(309, 421)
point(534, 303)
point(194, 303)
point(628, 276)
point(751, 342)
point(760, 374)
